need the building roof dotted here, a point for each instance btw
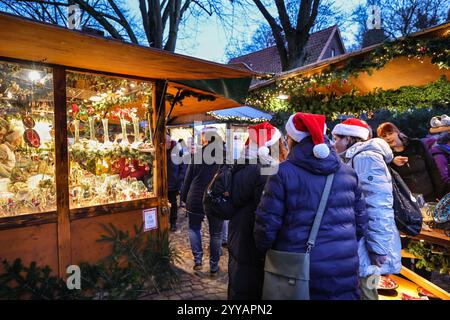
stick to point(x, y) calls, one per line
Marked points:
point(268, 60)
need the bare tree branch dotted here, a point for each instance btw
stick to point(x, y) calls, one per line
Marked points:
point(100, 18)
point(123, 21)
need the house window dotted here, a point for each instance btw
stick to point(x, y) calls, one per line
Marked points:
point(333, 53)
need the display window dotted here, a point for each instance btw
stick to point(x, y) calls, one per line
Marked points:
point(27, 140)
point(110, 145)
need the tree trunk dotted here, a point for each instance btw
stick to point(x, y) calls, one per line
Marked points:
point(291, 45)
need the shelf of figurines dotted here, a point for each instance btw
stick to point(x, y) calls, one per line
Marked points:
point(111, 172)
point(100, 173)
point(30, 187)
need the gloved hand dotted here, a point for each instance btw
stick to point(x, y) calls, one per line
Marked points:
point(376, 259)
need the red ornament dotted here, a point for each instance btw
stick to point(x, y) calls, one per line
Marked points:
point(309, 89)
point(32, 138)
point(344, 81)
point(75, 109)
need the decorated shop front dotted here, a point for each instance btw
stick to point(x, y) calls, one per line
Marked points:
point(82, 137)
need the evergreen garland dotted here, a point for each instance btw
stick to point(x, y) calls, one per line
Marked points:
point(436, 94)
point(301, 89)
point(186, 94)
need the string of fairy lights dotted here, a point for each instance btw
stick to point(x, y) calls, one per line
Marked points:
point(284, 94)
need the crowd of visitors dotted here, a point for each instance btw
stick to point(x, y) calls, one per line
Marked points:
point(347, 233)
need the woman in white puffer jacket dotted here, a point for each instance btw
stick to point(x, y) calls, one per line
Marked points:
point(380, 252)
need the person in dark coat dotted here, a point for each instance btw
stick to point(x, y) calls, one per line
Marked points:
point(199, 174)
point(413, 162)
point(184, 153)
point(175, 175)
point(245, 263)
point(290, 201)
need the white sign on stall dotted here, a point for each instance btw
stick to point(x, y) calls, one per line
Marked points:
point(150, 219)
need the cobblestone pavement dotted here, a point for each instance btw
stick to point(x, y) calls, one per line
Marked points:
point(195, 285)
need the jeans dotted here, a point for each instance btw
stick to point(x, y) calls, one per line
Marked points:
point(215, 242)
point(225, 231)
point(174, 208)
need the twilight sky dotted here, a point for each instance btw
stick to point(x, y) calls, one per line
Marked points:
point(207, 39)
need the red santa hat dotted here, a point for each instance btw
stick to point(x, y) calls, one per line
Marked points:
point(352, 127)
point(263, 135)
point(302, 125)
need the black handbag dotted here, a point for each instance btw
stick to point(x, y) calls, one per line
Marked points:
point(286, 274)
point(407, 214)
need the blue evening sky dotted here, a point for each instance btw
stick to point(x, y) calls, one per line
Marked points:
point(208, 38)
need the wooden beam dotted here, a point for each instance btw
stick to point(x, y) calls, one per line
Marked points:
point(427, 285)
point(40, 42)
point(62, 171)
point(407, 255)
point(159, 112)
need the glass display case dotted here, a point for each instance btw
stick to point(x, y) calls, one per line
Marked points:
point(27, 140)
point(111, 153)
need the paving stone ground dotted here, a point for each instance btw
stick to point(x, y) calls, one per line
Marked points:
point(195, 285)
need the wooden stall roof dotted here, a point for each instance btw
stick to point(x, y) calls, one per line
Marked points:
point(26, 39)
point(396, 73)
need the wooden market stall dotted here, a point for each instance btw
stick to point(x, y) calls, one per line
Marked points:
point(419, 60)
point(84, 118)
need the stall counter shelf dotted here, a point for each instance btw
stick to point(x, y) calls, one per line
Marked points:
point(410, 285)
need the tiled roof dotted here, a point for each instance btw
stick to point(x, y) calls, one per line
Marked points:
point(268, 60)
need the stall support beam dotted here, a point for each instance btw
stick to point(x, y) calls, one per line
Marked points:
point(159, 91)
point(62, 171)
point(431, 287)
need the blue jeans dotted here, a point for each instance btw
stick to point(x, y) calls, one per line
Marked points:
point(225, 231)
point(215, 242)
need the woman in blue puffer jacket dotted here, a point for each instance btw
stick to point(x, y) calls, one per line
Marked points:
point(291, 198)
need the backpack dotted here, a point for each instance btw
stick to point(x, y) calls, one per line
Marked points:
point(408, 216)
point(217, 196)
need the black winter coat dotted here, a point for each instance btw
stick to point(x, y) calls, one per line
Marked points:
point(175, 172)
point(198, 176)
point(420, 174)
point(245, 263)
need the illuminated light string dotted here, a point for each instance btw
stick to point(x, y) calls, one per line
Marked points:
point(235, 118)
point(301, 88)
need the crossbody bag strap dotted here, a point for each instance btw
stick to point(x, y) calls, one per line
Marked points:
point(318, 219)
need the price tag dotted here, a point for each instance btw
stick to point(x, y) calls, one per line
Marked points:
point(150, 219)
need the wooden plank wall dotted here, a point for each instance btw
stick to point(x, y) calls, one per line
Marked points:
point(33, 243)
point(85, 233)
